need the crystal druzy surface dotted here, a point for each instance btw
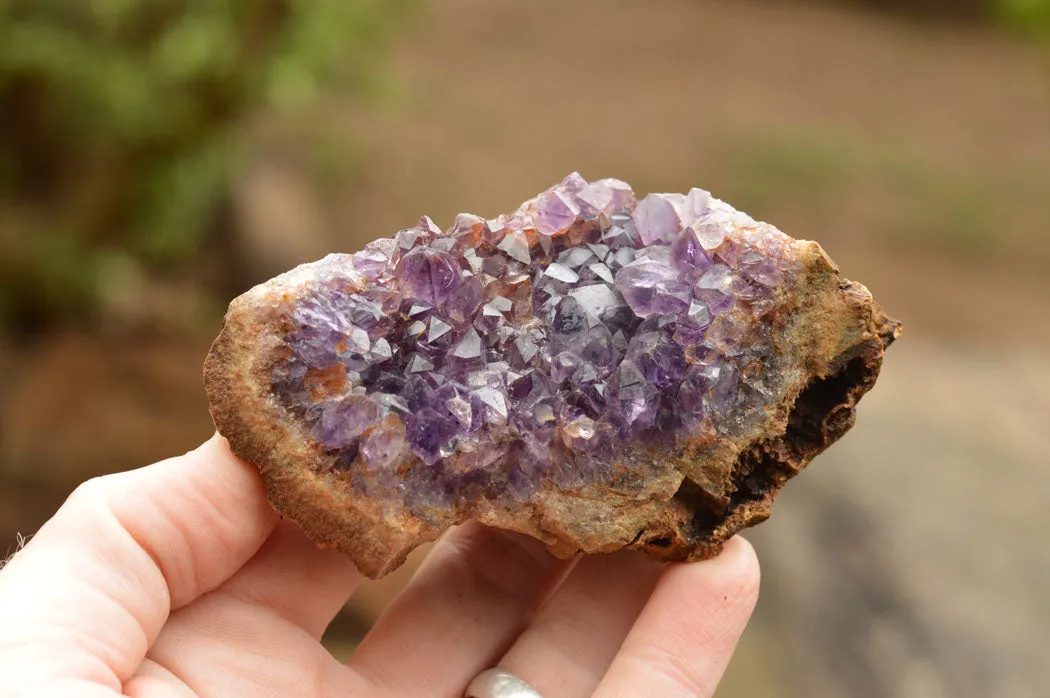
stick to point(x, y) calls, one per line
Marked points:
point(594, 369)
point(481, 360)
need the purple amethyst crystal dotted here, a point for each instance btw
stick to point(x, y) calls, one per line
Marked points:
point(636, 399)
point(343, 422)
point(383, 446)
point(535, 346)
point(653, 287)
point(659, 358)
point(715, 288)
point(556, 210)
point(688, 255)
point(607, 196)
point(658, 219)
point(428, 275)
point(427, 432)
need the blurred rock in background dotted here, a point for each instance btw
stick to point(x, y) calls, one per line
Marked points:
point(156, 158)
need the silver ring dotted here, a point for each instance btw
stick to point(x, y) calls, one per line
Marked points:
point(496, 683)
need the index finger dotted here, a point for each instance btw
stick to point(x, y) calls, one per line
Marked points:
point(683, 640)
point(89, 594)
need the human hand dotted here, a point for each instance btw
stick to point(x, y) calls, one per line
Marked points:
point(178, 579)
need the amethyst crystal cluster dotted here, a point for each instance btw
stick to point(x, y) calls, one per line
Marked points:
point(489, 358)
point(593, 370)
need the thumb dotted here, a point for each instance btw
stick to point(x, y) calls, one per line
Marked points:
point(85, 599)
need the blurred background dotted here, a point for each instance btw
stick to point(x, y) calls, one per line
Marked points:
point(157, 157)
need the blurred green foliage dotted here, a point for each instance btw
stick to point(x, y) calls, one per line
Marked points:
point(1029, 15)
point(122, 123)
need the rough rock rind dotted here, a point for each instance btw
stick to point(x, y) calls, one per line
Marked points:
point(676, 501)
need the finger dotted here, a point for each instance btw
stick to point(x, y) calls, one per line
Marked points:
point(293, 578)
point(88, 595)
point(259, 630)
point(568, 647)
point(474, 593)
point(226, 646)
point(154, 681)
point(684, 637)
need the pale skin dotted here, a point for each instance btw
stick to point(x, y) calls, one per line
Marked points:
point(179, 579)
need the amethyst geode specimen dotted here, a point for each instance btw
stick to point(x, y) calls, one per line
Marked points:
point(593, 370)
